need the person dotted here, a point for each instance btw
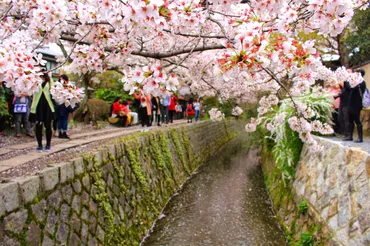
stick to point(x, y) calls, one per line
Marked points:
point(343, 107)
point(335, 90)
point(134, 115)
point(145, 110)
point(3, 109)
point(62, 112)
point(119, 110)
point(190, 111)
point(178, 110)
point(126, 112)
point(43, 110)
point(172, 107)
point(156, 110)
point(197, 109)
point(165, 98)
point(354, 109)
point(21, 114)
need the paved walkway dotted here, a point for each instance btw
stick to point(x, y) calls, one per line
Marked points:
point(365, 145)
point(59, 145)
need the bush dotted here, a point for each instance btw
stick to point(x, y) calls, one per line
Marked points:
point(109, 94)
point(97, 109)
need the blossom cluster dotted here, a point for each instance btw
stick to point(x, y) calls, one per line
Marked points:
point(67, 94)
point(215, 114)
point(150, 79)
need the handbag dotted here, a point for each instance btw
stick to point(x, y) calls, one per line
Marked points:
point(21, 108)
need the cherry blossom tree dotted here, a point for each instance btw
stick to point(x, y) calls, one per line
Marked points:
point(226, 47)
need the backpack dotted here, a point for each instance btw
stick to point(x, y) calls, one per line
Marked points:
point(366, 99)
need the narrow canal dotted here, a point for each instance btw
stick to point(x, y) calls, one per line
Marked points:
point(225, 203)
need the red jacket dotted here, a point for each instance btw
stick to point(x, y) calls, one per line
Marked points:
point(116, 107)
point(172, 105)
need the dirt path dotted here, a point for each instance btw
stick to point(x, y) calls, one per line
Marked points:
point(23, 159)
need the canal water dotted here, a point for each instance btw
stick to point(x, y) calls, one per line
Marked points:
point(224, 203)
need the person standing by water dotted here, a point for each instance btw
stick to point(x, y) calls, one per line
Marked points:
point(156, 110)
point(42, 110)
point(197, 109)
point(354, 109)
point(190, 111)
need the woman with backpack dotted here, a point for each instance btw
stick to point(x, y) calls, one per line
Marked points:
point(190, 111)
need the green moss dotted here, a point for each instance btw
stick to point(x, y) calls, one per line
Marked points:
point(176, 141)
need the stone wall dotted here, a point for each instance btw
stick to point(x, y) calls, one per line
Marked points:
point(110, 196)
point(335, 185)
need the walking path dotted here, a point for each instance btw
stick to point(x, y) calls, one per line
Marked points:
point(33, 161)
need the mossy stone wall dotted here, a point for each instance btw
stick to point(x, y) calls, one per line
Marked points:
point(327, 202)
point(110, 196)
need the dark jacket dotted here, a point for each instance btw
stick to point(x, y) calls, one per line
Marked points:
point(64, 111)
point(344, 95)
point(155, 104)
point(355, 97)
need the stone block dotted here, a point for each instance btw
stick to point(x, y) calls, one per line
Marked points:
point(51, 221)
point(15, 222)
point(39, 209)
point(364, 219)
point(77, 187)
point(67, 171)
point(64, 212)
point(54, 199)
point(354, 228)
point(67, 193)
point(74, 240)
point(86, 182)
point(8, 241)
point(78, 164)
point(333, 223)
point(29, 187)
point(50, 177)
point(9, 197)
point(84, 232)
point(343, 235)
point(33, 235)
point(97, 159)
point(344, 211)
point(76, 204)
point(47, 241)
point(62, 233)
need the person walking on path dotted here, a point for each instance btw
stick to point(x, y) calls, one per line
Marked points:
point(21, 114)
point(43, 111)
point(172, 107)
point(354, 109)
point(156, 110)
point(165, 99)
point(190, 111)
point(197, 109)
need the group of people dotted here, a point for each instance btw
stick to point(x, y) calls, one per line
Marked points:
point(348, 105)
point(40, 111)
point(160, 109)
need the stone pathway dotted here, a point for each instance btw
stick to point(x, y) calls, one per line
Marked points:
point(59, 147)
point(365, 145)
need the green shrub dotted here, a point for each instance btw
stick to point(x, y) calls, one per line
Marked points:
point(302, 207)
point(109, 94)
point(98, 109)
point(306, 239)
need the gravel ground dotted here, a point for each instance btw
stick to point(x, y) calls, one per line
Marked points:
point(32, 167)
point(9, 139)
